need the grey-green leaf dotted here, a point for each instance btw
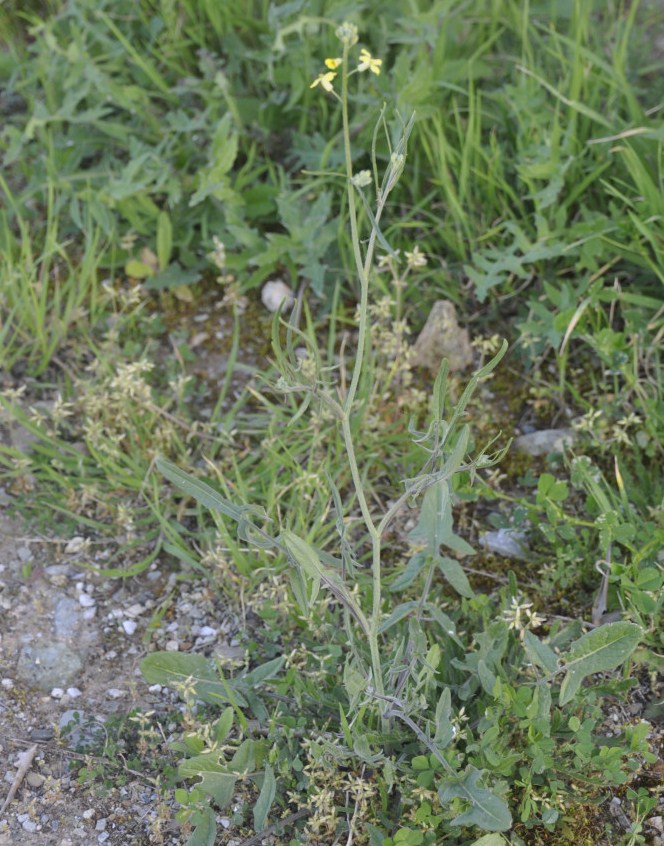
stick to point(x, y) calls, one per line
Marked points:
point(175, 669)
point(200, 491)
point(265, 799)
point(453, 572)
point(205, 832)
point(490, 840)
point(398, 614)
point(540, 653)
point(595, 652)
point(214, 777)
point(487, 810)
point(487, 676)
point(444, 728)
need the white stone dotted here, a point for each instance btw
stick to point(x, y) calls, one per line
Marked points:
point(7, 683)
point(57, 693)
point(129, 626)
point(155, 688)
point(207, 631)
point(172, 646)
point(274, 293)
point(75, 545)
point(85, 600)
point(73, 692)
point(115, 693)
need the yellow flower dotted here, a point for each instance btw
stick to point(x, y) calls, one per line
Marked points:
point(367, 62)
point(333, 64)
point(324, 80)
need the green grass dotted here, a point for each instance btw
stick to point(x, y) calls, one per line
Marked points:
point(134, 134)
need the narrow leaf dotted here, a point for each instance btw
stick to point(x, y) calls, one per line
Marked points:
point(265, 799)
point(205, 832)
point(540, 653)
point(453, 572)
point(398, 614)
point(444, 728)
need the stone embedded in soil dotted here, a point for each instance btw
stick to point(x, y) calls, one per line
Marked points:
point(47, 667)
point(442, 337)
point(66, 617)
point(544, 442)
point(509, 543)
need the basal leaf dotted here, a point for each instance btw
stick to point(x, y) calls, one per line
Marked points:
point(265, 799)
point(261, 673)
point(487, 677)
point(487, 810)
point(177, 669)
point(603, 648)
point(444, 728)
point(570, 687)
point(205, 831)
point(215, 779)
point(490, 840)
point(540, 653)
point(595, 652)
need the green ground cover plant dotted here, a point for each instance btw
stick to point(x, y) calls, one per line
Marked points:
point(158, 157)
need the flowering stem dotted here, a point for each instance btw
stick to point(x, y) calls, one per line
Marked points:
point(363, 270)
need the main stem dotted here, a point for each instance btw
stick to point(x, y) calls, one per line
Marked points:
point(363, 270)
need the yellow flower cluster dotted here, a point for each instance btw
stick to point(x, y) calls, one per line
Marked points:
point(366, 62)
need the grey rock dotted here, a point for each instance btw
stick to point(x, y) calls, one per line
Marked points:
point(47, 667)
point(66, 617)
point(509, 543)
point(442, 337)
point(42, 735)
point(544, 442)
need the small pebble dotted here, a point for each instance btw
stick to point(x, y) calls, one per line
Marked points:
point(116, 693)
point(73, 692)
point(134, 610)
point(8, 684)
point(29, 825)
point(207, 631)
point(172, 646)
point(101, 825)
point(88, 814)
point(155, 688)
point(76, 544)
point(35, 779)
point(129, 626)
point(103, 837)
point(274, 293)
point(57, 693)
point(86, 600)
point(89, 613)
